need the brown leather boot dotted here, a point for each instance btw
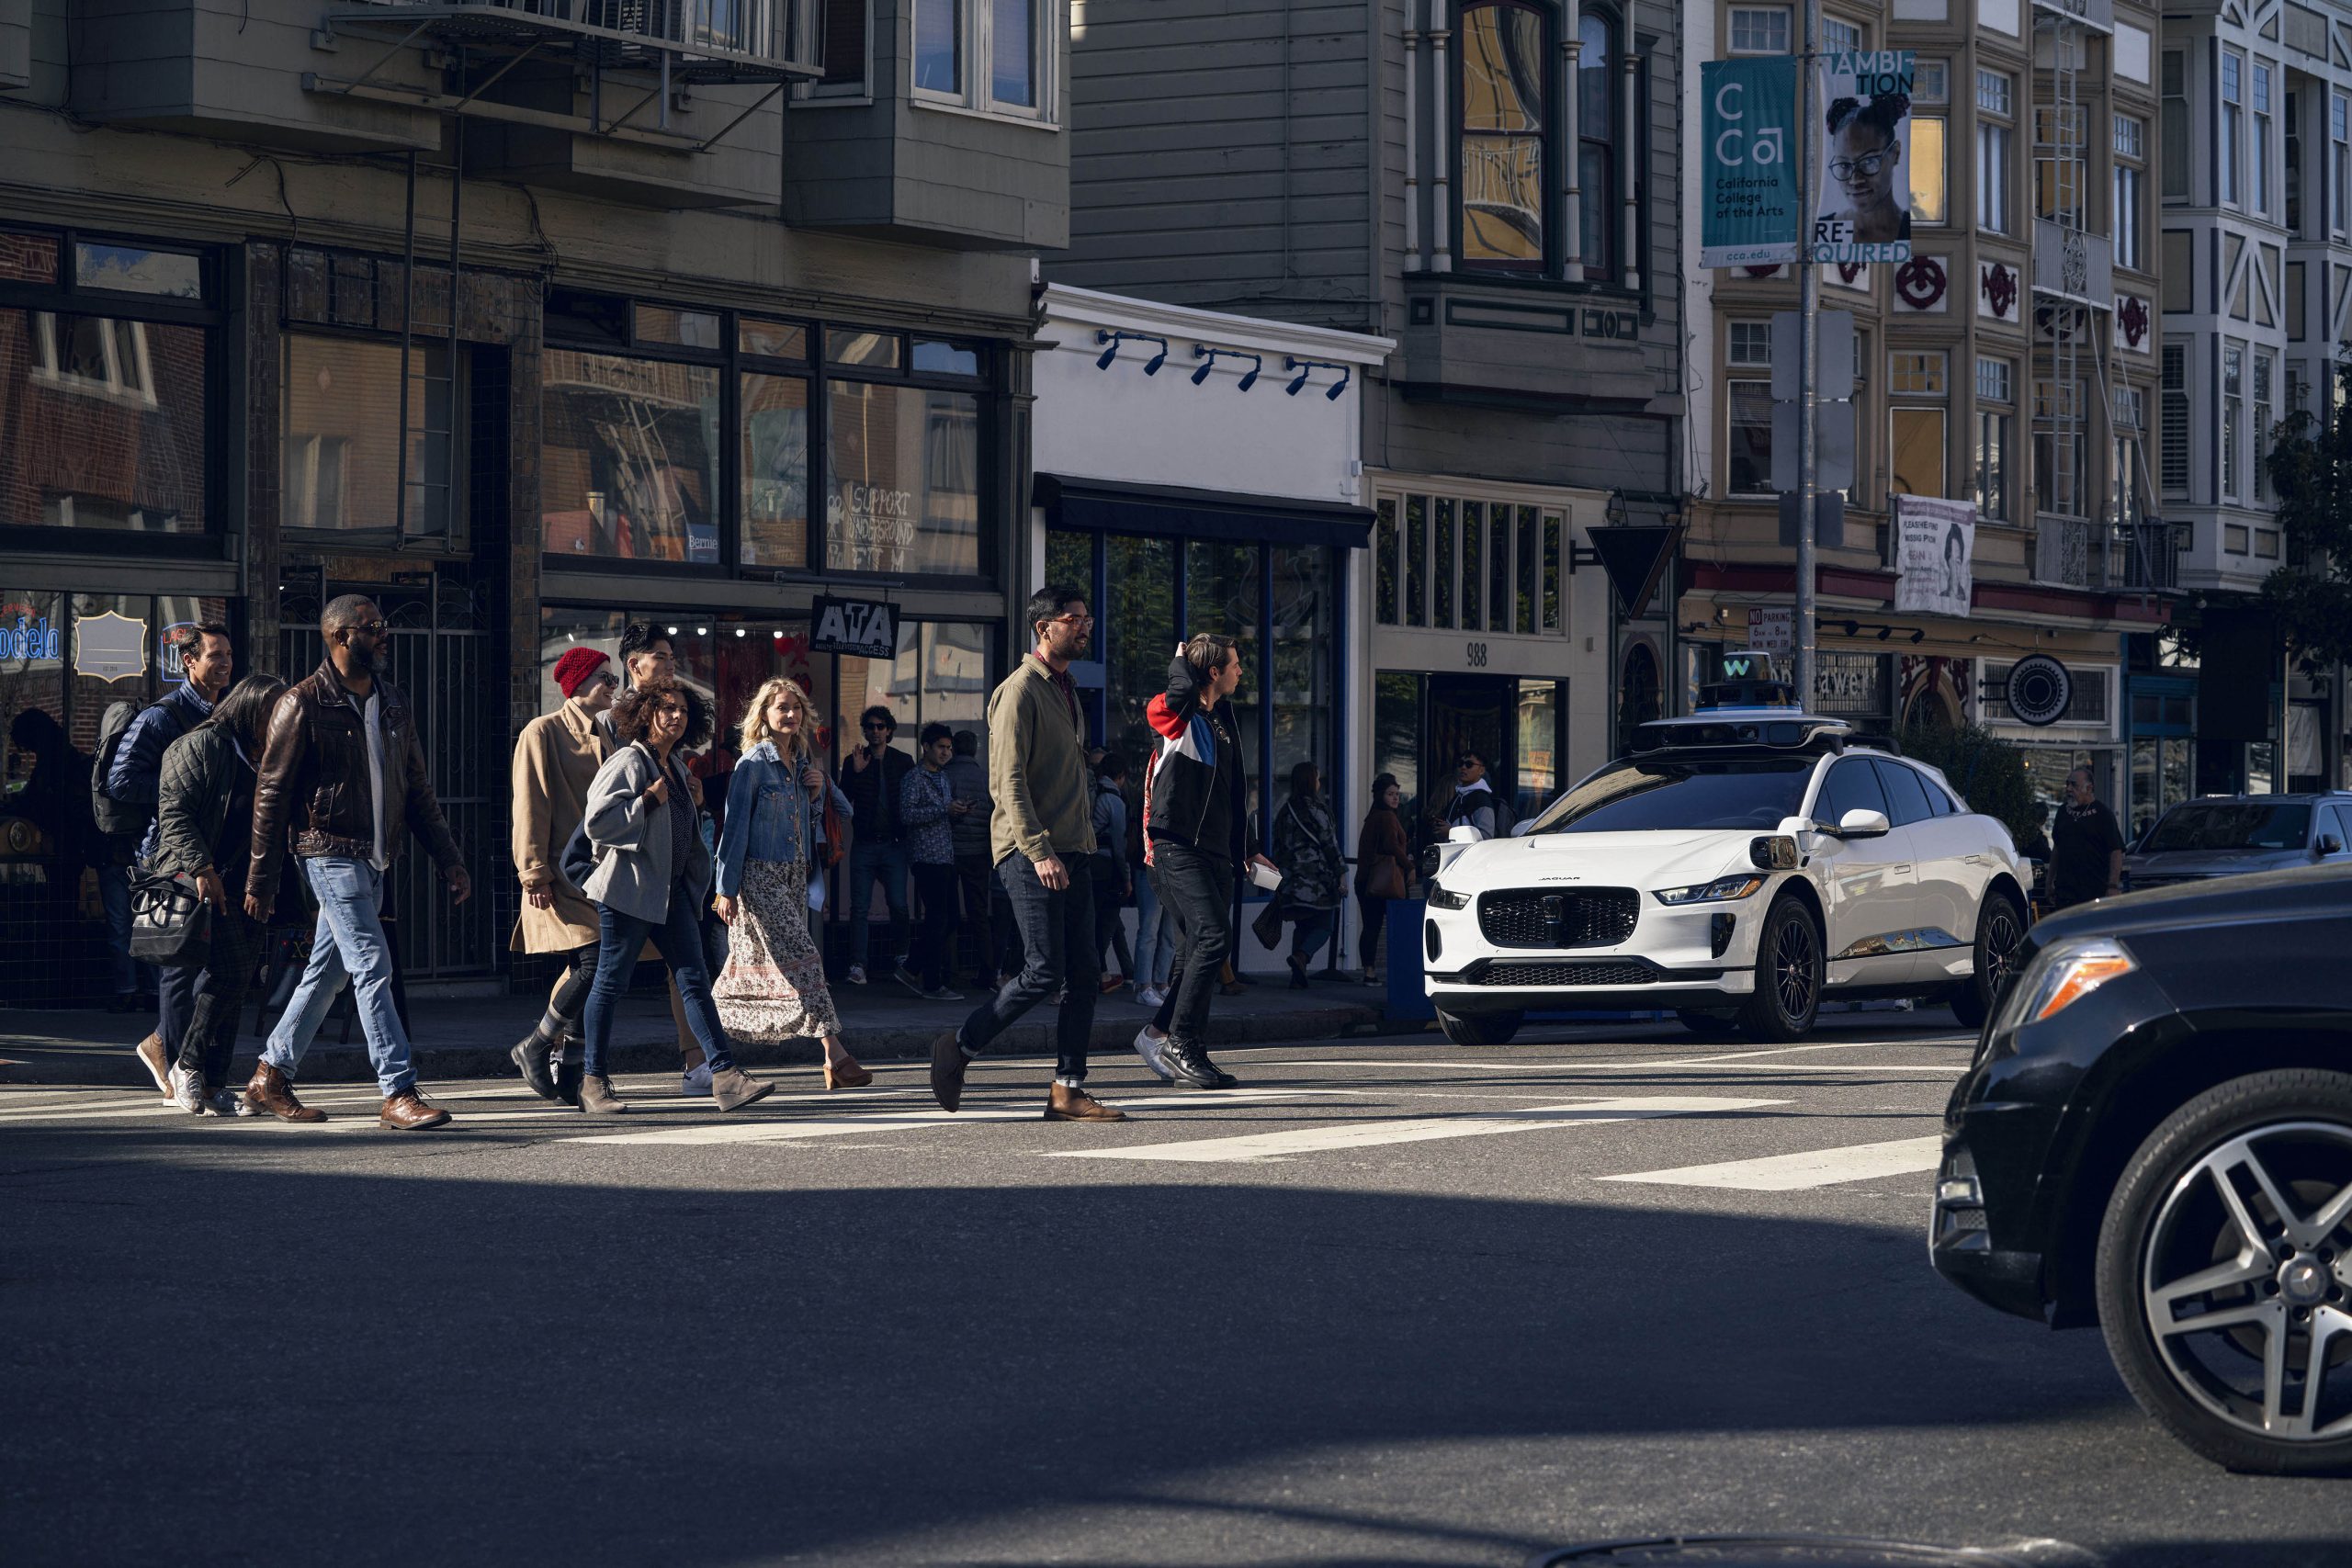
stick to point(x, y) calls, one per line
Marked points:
point(270, 1091)
point(1064, 1103)
point(149, 1052)
point(596, 1096)
point(732, 1086)
point(408, 1113)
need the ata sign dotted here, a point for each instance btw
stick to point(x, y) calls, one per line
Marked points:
point(862, 628)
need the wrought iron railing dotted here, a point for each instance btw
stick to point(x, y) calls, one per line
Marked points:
point(709, 38)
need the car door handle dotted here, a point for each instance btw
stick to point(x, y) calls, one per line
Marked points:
point(1904, 867)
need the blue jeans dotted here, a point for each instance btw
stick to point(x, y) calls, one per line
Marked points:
point(1057, 953)
point(347, 947)
point(678, 938)
point(114, 892)
point(867, 862)
point(1155, 932)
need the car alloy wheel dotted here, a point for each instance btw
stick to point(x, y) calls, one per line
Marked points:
point(1787, 975)
point(2002, 936)
point(2225, 1273)
point(1795, 969)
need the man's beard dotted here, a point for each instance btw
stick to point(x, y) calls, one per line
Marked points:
point(366, 657)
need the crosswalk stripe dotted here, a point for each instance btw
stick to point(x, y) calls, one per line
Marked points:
point(767, 1130)
point(1414, 1130)
point(1790, 1173)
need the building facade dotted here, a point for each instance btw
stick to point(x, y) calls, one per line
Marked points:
point(2013, 363)
point(2257, 216)
point(1495, 187)
point(525, 325)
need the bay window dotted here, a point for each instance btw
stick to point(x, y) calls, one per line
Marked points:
point(1502, 132)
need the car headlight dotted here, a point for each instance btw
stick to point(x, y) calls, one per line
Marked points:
point(2062, 976)
point(1738, 885)
point(1439, 898)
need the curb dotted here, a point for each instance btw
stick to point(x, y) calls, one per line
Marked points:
point(337, 1063)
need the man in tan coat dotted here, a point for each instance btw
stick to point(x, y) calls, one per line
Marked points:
point(556, 759)
point(1041, 836)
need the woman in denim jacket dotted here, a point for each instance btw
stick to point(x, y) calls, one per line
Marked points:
point(773, 988)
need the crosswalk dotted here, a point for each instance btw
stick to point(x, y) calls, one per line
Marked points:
point(1343, 1108)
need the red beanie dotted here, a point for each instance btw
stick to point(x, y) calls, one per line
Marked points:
point(576, 665)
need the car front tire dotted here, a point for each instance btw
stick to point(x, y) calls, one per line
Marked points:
point(2238, 1209)
point(2000, 932)
point(1479, 1029)
point(1788, 975)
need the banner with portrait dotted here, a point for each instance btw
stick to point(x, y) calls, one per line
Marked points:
point(1861, 194)
point(1935, 555)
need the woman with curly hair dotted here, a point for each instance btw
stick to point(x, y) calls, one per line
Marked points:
point(774, 985)
point(650, 878)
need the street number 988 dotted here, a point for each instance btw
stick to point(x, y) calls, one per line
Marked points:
point(1477, 655)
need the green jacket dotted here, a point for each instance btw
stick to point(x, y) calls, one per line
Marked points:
point(1037, 771)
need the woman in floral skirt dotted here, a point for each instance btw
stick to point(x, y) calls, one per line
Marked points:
point(774, 988)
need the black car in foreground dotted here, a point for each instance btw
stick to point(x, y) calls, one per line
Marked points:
point(2156, 1136)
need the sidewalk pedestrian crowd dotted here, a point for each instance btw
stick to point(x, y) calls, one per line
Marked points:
point(241, 810)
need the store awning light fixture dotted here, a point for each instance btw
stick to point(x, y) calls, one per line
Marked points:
point(1307, 367)
point(1151, 366)
point(1209, 356)
point(1856, 629)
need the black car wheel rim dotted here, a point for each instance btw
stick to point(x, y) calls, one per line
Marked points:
point(2001, 939)
point(2246, 1281)
point(1793, 969)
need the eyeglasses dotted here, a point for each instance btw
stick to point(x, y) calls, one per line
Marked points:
point(372, 628)
point(1866, 165)
point(1469, 762)
point(876, 728)
point(1070, 620)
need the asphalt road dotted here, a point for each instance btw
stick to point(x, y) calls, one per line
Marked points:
point(1387, 1304)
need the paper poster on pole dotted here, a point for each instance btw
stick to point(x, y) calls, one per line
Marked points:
point(1862, 201)
point(1750, 203)
point(1935, 555)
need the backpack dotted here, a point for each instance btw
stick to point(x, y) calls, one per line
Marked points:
point(115, 820)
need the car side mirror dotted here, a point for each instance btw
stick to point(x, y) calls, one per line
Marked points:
point(2328, 845)
point(1462, 833)
point(1863, 823)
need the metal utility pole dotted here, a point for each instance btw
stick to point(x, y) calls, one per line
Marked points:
point(1809, 310)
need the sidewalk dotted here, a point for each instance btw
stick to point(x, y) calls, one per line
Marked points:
point(470, 1037)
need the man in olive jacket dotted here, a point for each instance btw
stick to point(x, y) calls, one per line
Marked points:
point(341, 780)
point(1041, 835)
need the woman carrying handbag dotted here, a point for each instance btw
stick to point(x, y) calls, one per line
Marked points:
point(1384, 867)
point(1307, 846)
point(773, 988)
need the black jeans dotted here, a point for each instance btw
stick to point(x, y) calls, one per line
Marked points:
point(174, 1002)
point(1314, 928)
point(1057, 955)
point(1375, 916)
point(934, 951)
point(1197, 888)
point(568, 996)
point(1110, 928)
point(209, 1033)
point(972, 876)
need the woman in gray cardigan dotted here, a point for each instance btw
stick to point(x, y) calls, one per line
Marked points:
point(650, 882)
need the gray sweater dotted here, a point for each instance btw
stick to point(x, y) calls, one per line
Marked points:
point(631, 837)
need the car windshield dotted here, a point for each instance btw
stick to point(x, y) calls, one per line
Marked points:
point(2230, 826)
point(1641, 795)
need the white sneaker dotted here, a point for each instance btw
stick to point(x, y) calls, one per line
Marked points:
point(856, 975)
point(1148, 1042)
point(695, 1080)
point(229, 1102)
point(188, 1091)
point(1149, 997)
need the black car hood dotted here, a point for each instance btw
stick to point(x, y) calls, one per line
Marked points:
point(2270, 895)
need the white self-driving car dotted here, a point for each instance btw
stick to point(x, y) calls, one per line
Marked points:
point(1740, 867)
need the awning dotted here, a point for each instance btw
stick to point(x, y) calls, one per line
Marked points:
point(1109, 507)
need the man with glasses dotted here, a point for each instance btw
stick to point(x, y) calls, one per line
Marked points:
point(873, 776)
point(341, 777)
point(1475, 804)
point(1043, 831)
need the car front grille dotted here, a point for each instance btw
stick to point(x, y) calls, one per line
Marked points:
point(1573, 972)
point(1555, 917)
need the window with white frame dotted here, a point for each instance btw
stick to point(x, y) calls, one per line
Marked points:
point(2266, 377)
point(1918, 389)
point(1760, 29)
point(93, 355)
point(2175, 390)
point(1841, 38)
point(1995, 136)
point(2231, 154)
point(2340, 163)
point(2258, 168)
point(2059, 449)
point(2131, 191)
point(2059, 162)
point(1931, 176)
point(1747, 401)
point(2232, 415)
point(1931, 82)
point(992, 56)
point(2131, 424)
point(2174, 124)
point(1996, 419)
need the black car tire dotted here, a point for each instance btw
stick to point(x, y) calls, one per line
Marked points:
point(1479, 1029)
point(2000, 932)
point(1713, 1024)
point(2292, 1126)
point(1788, 975)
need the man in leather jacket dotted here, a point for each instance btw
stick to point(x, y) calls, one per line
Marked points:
point(342, 778)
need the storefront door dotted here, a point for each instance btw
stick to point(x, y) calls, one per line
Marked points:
point(1423, 724)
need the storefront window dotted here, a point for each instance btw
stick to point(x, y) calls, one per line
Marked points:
point(904, 470)
point(629, 469)
point(341, 409)
point(105, 422)
point(776, 471)
point(1543, 706)
point(1139, 605)
point(1298, 681)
